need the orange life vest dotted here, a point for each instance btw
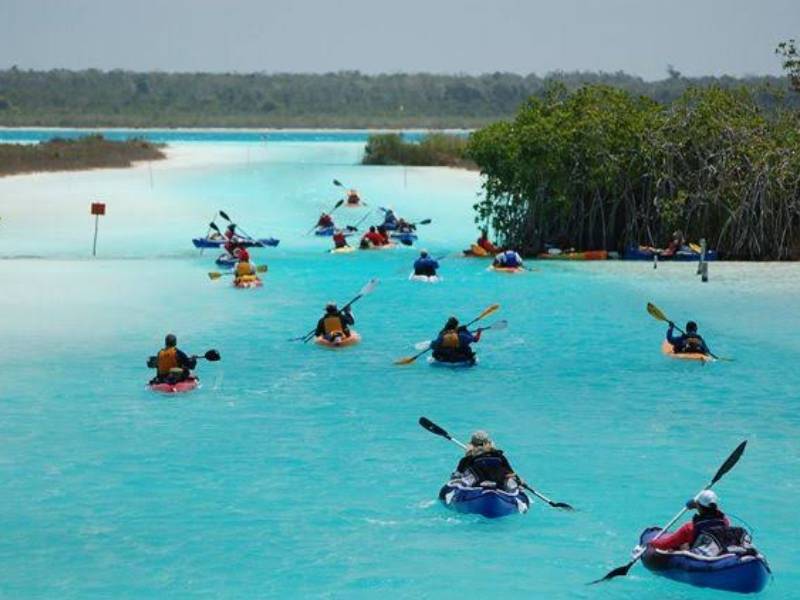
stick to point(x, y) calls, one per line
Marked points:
point(167, 360)
point(243, 268)
point(333, 325)
point(450, 339)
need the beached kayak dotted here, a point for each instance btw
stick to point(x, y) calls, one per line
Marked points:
point(425, 278)
point(342, 250)
point(461, 364)
point(745, 571)
point(219, 242)
point(689, 253)
point(667, 349)
point(490, 503)
point(508, 270)
point(247, 281)
point(340, 342)
point(586, 255)
point(175, 388)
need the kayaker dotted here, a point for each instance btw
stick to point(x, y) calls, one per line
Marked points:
point(335, 323)
point(389, 219)
point(384, 234)
point(339, 240)
point(244, 267)
point(453, 343)
point(231, 239)
point(486, 244)
point(676, 244)
point(483, 465)
point(372, 238)
point(708, 516)
point(425, 265)
point(353, 199)
point(404, 226)
point(509, 259)
point(325, 221)
point(171, 364)
point(691, 341)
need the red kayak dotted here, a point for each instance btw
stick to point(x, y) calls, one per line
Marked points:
point(186, 385)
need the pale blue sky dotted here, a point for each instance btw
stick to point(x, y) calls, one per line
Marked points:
point(699, 37)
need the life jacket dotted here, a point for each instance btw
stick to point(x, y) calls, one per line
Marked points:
point(333, 325)
point(490, 466)
point(424, 266)
point(509, 259)
point(325, 221)
point(167, 360)
point(339, 240)
point(450, 339)
point(703, 524)
point(243, 268)
point(692, 343)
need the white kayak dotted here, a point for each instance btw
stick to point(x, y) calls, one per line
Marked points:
point(425, 278)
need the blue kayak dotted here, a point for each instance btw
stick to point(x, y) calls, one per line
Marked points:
point(684, 255)
point(462, 364)
point(329, 231)
point(226, 260)
point(745, 572)
point(488, 502)
point(218, 242)
point(405, 238)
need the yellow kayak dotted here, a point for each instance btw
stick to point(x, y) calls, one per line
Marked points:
point(667, 349)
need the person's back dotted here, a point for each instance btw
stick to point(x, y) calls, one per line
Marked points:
point(389, 219)
point(508, 259)
point(325, 220)
point(425, 265)
point(689, 342)
point(171, 363)
point(334, 323)
point(453, 343)
point(484, 464)
point(339, 239)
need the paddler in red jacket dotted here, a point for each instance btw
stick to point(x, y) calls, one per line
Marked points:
point(708, 516)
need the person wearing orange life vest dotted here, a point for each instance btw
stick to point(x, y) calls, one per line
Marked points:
point(453, 343)
point(244, 267)
point(171, 364)
point(334, 324)
point(486, 244)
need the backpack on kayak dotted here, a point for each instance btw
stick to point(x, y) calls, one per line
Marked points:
point(724, 540)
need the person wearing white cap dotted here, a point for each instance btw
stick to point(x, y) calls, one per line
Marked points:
point(708, 516)
point(485, 466)
point(425, 265)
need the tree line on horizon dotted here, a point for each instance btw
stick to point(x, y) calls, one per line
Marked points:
point(94, 98)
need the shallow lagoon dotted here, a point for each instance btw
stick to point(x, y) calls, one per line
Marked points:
point(298, 471)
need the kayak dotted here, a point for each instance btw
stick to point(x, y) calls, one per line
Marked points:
point(585, 255)
point(218, 242)
point(509, 270)
point(406, 238)
point(461, 364)
point(175, 388)
point(388, 246)
point(226, 260)
point(342, 250)
point(425, 278)
point(745, 572)
point(488, 502)
point(329, 231)
point(341, 343)
point(476, 251)
point(247, 281)
point(689, 253)
point(667, 349)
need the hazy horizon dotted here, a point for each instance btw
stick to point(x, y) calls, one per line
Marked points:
point(700, 38)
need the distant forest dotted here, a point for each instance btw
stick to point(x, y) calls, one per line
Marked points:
point(95, 98)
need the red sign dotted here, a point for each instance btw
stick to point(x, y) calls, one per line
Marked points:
point(98, 208)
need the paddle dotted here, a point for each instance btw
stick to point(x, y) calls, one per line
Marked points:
point(436, 430)
point(359, 222)
point(216, 274)
point(367, 289)
point(210, 356)
point(500, 325)
point(658, 314)
point(225, 216)
point(330, 212)
point(410, 359)
point(729, 463)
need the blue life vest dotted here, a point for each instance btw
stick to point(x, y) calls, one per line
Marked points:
point(510, 259)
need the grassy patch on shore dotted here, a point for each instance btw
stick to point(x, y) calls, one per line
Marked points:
point(90, 152)
point(434, 150)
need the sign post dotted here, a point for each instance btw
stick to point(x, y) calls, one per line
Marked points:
point(98, 209)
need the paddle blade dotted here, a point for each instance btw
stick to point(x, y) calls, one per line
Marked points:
point(656, 313)
point(499, 326)
point(405, 361)
point(433, 427)
point(337, 183)
point(492, 309)
point(729, 463)
point(213, 226)
point(618, 572)
point(338, 204)
point(212, 356)
point(214, 275)
point(224, 215)
point(371, 285)
point(422, 345)
point(562, 505)
point(261, 269)
point(424, 222)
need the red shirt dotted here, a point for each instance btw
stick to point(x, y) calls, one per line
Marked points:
point(487, 245)
point(339, 240)
point(325, 221)
point(374, 237)
point(676, 539)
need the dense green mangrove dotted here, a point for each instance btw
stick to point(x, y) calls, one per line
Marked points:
point(434, 150)
point(599, 168)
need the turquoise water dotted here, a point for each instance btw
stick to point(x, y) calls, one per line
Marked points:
point(299, 472)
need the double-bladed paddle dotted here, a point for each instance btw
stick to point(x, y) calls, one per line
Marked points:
point(216, 274)
point(659, 315)
point(210, 356)
point(367, 289)
point(499, 326)
point(436, 430)
point(410, 359)
point(729, 463)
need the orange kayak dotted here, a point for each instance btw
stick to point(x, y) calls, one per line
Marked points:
point(667, 349)
point(340, 343)
point(247, 281)
point(509, 270)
